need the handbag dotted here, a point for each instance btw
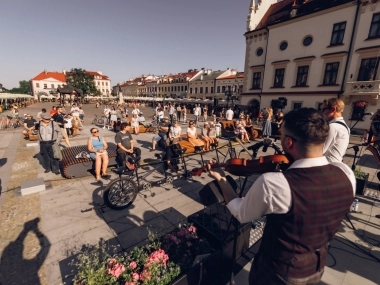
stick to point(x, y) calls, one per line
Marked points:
point(83, 154)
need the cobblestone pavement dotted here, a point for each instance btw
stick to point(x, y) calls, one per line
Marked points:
point(40, 233)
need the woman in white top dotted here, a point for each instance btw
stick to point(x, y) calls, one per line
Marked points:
point(113, 117)
point(192, 135)
point(135, 124)
point(160, 114)
point(184, 113)
point(175, 133)
point(205, 136)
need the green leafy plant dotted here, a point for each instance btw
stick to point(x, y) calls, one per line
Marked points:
point(359, 174)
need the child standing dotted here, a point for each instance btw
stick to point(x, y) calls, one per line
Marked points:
point(69, 125)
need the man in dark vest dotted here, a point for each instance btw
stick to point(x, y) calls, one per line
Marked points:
point(304, 205)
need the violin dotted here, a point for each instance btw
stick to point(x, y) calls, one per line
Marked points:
point(244, 167)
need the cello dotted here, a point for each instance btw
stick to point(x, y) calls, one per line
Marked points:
point(247, 167)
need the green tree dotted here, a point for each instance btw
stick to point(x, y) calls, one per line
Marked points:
point(78, 78)
point(24, 88)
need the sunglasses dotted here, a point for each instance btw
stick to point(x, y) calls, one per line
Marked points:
point(94, 132)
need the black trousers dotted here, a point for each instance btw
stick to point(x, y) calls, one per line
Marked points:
point(49, 162)
point(122, 156)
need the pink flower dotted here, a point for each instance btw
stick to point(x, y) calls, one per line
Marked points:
point(129, 283)
point(192, 229)
point(135, 276)
point(115, 269)
point(133, 265)
point(112, 262)
point(145, 275)
point(158, 256)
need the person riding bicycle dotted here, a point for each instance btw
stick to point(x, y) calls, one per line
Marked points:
point(13, 114)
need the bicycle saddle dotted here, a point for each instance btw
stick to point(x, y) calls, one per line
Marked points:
point(158, 156)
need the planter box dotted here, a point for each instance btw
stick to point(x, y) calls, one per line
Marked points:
point(217, 225)
point(203, 273)
point(361, 185)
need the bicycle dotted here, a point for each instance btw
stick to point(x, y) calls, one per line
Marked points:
point(121, 192)
point(98, 120)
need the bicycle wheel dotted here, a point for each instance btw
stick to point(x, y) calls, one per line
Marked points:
point(93, 122)
point(120, 193)
point(100, 121)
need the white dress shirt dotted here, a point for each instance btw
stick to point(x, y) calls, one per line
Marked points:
point(337, 141)
point(271, 193)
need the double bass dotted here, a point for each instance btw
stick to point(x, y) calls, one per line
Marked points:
point(247, 167)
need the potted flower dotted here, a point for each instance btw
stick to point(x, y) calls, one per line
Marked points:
point(163, 260)
point(361, 180)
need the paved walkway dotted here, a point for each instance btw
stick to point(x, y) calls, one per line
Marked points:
point(42, 232)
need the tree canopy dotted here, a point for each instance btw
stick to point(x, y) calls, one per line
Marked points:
point(24, 88)
point(78, 78)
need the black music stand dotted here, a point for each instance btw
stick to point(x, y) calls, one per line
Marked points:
point(231, 150)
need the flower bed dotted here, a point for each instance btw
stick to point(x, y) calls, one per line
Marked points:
point(159, 262)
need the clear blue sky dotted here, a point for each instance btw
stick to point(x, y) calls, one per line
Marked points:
point(121, 38)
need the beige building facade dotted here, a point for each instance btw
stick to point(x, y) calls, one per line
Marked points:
point(302, 52)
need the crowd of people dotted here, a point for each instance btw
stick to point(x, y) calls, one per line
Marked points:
point(304, 205)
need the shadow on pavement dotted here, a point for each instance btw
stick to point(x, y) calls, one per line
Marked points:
point(16, 266)
point(3, 161)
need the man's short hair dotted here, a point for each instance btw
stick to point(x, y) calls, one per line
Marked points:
point(334, 102)
point(307, 126)
point(123, 126)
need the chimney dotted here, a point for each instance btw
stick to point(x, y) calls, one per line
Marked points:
point(45, 71)
point(209, 71)
point(64, 72)
point(202, 76)
point(100, 72)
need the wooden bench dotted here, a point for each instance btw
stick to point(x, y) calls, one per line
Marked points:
point(142, 128)
point(184, 143)
point(73, 167)
point(228, 130)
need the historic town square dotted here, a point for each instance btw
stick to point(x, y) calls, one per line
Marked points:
point(189, 143)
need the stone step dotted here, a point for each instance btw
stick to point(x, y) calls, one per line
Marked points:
point(32, 186)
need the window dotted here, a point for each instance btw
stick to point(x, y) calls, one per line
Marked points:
point(338, 33)
point(45, 86)
point(196, 89)
point(52, 86)
point(223, 89)
point(302, 75)
point(102, 83)
point(212, 89)
point(284, 45)
point(297, 105)
point(206, 89)
point(374, 31)
point(259, 51)
point(106, 83)
point(191, 90)
point(331, 73)
point(358, 110)
point(279, 77)
point(368, 69)
point(201, 90)
point(256, 80)
point(307, 41)
point(218, 89)
point(186, 88)
point(98, 83)
point(37, 85)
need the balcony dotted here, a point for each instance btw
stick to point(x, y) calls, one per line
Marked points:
point(363, 87)
point(371, 89)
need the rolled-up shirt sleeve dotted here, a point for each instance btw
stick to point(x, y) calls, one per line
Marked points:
point(269, 194)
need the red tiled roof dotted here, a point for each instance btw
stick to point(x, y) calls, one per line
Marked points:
point(275, 11)
point(56, 75)
point(94, 73)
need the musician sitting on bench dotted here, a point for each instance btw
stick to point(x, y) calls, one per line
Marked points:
point(125, 149)
point(29, 125)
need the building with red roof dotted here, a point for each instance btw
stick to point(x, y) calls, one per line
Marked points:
point(45, 84)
